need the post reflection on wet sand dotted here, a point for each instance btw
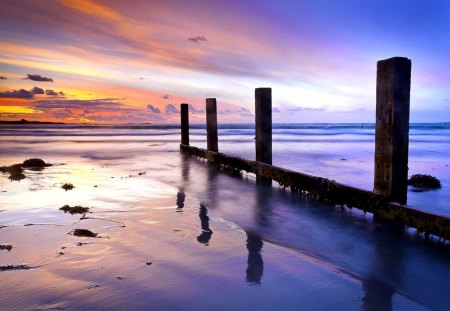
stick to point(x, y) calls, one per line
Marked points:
point(206, 234)
point(255, 264)
point(181, 196)
point(263, 208)
point(381, 283)
point(185, 168)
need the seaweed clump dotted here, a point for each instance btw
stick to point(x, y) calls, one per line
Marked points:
point(67, 186)
point(84, 233)
point(35, 163)
point(15, 171)
point(14, 267)
point(74, 209)
point(8, 247)
point(424, 182)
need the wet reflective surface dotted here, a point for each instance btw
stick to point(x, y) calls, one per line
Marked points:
point(174, 233)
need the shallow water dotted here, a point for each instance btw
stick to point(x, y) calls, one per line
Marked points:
point(227, 243)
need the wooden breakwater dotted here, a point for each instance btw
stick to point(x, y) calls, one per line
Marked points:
point(388, 200)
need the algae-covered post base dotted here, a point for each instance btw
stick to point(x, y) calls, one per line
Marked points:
point(184, 124)
point(211, 125)
point(392, 128)
point(333, 192)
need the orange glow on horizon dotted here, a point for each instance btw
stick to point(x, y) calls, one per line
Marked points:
point(17, 110)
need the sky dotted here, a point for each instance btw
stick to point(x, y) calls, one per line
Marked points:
point(135, 61)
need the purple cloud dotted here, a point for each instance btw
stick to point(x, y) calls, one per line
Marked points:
point(17, 94)
point(195, 111)
point(37, 90)
point(38, 78)
point(243, 112)
point(165, 96)
point(197, 39)
point(2, 78)
point(171, 109)
point(153, 109)
point(51, 93)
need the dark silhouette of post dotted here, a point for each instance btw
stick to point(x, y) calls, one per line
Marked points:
point(181, 197)
point(211, 124)
point(206, 234)
point(263, 120)
point(392, 128)
point(184, 124)
point(255, 263)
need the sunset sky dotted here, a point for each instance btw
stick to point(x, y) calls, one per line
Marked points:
point(116, 61)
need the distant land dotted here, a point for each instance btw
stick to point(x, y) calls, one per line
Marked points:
point(23, 121)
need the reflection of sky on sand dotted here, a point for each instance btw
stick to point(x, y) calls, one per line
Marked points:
point(183, 235)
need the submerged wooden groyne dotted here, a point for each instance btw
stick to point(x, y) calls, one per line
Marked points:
point(388, 200)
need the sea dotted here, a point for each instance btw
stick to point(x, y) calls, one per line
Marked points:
point(177, 234)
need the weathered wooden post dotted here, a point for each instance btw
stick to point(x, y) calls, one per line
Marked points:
point(184, 124)
point(392, 128)
point(263, 120)
point(211, 125)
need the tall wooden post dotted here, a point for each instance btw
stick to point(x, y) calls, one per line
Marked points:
point(184, 124)
point(211, 124)
point(392, 128)
point(263, 118)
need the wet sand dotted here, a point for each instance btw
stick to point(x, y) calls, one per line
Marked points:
point(150, 252)
point(175, 234)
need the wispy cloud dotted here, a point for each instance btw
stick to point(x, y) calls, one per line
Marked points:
point(105, 110)
point(38, 78)
point(242, 112)
point(166, 96)
point(95, 104)
point(92, 8)
point(297, 109)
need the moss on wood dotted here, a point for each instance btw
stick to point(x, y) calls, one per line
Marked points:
point(332, 192)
